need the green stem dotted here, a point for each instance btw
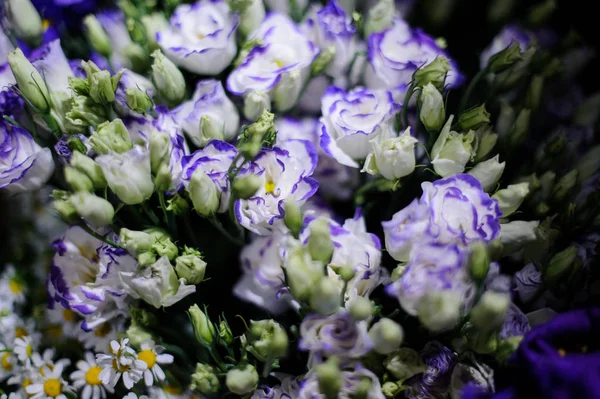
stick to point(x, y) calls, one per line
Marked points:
point(464, 101)
point(150, 214)
point(343, 294)
point(215, 222)
point(91, 232)
point(52, 125)
point(163, 206)
point(407, 97)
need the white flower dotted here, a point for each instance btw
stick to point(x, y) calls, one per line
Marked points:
point(153, 356)
point(100, 338)
point(488, 172)
point(393, 157)
point(24, 348)
point(133, 395)
point(50, 384)
point(46, 359)
point(451, 151)
point(121, 361)
point(87, 378)
point(286, 6)
point(201, 37)
point(113, 22)
point(8, 362)
point(12, 288)
point(62, 322)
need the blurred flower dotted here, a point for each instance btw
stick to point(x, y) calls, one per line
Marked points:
point(435, 381)
point(508, 35)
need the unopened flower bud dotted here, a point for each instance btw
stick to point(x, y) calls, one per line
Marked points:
point(564, 186)
point(154, 23)
point(90, 168)
point(534, 93)
point(431, 108)
point(167, 78)
point(387, 335)
point(252, 13)
point(244, 187)
point(329, 377)
point(137, 334)
point(267, 339)
point(325, 297)
point(97, 36)
point(146, 259)
point(390, 389)
point(292, 216)
point(204, 330)
point(95, 210)
point(392, 157)
point(163, 178)
point(165, 247)
point(285, 94)
point(511, 198)
point(540, 12)
point(488, 172)
point(65, 209)
point(302, 272)
point(506, 119)
point(102, 85)
point(205, 380)
point(203, 192)
point(486, 140)
point(242, 380)
point(559, 266)
point(320, 244)
point(25, 19)
point(362, 389)
point(379, 17)
point(255, 102)
point(505, 58)
point(191, 268)
point(474, 117)
point(404, 363)
point(435, 73)
point(490, 311)
point(178, 205)
point(111, 136)
point(451, 151)
point(77, 180)
point(138, 57)
point(440, 311)
point(138, 100)
point(397, 272)
point(31, 84)
point(360, 308)
point(519, 130)
point(479, 261)
point(135, 242)
point(322, 61)
point(225, 332)
point(211, 129)
point(588, 164)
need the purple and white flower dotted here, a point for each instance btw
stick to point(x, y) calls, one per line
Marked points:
point(431, 269)
point(24, 165)
point(214, 160)
point(528, 281)
point(287, 389)
point(128, 80)
point(470, 371)
point(454, 210)
point(336, 335)
point(507, 36)
point(280, 66)
point(10, 101)
point(113, 22)
point(515, 323)
point(351, 119)
point(201, 37)
point(285, 171)
point(435, 381)
point(286, 6)
point(52, 64)
point(352, 376)
point(84, 277)
point(210, 114)
point(396, 53)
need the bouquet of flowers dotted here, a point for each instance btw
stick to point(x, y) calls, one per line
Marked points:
point(294, 199)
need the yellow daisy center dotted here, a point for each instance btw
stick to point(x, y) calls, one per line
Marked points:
point(52, 387)
point(15, 287)
point(68, 315)
point(20, 332)
point(148, 357)
point(102, 331)
point(55, 330)
point(42, 372)
point(91, 376)
point(170, 389)
point(119, 367)
point(6, 364)
point(26, 383)
point(29, 350)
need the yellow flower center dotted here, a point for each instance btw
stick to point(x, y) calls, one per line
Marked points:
point(562, 352)
point(20, 332)
point(91, 376)
point(42, 372)
point(148, 357)
point(279, 63)
point(269, 187)
point(52, 387)
point(119, 367)
point(6, 364)
point(170, 389)
point(55, 331)
point(68, 315)
point(26, 383)
point(15, 287)
point(29, 350)
point(200, 36)
point(102, 331)
point(45, 24)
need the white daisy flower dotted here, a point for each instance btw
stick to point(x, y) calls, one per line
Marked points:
point(62, 323)
point(87, 377)
point(170, 392)
point(12, 288)
point(133, 395)
point(24, 348)
point(46, 360)
point(153, 356)
point(12, 327)
point(122, 360)
point(7, 362)
point(99, 339)
point(49, 384)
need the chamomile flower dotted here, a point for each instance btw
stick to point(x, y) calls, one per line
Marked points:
point(62, 323)
point(153, 356)
point(121, 361)
point(87, 379)
point(49, 384)
point(46, 360)
point(7, 362)
point(12, 288)
point(24, 348)
point(12, 326)
point(133, 395)
point(100, 338)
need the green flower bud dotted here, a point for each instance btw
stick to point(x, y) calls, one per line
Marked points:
point(165, 247)
point(505, 58)
point(589, 164)
point(397, 272)
point(65, 209)
point(79, 85)
point(490, 311)
point(95, 210)
point(404, 363)
point(588, 111)
point(362, 389)
point(255, 103)
point(167, 78)
point(163, 178)
point(30, 82)
point(387, 335)
point(153, 24)
point(142, 317)
point(302, 273)
point(474, 117)
point(267, 339)
point(225, 332)
point(90, 168)
point(242, 380)
point(251, 14)
point(565, 186)
point(262, 126)
point(511, 198)
point(329, 377)
point(520, 128)
point(534, 93)
point(85, 112)
point(159, 150)
point(101, 88)
point(390, 389)
point(191, 268)
point(111, 136)
point(380, 17)
point(440, 311)
point(137, 334)
point(435, 73)
point(203, 192)
point(97, 36)
point(78, 180)
point(204, 330)
point(320, 244)
point(506, 119)
point(488, 172)
point(178, 205)
point(205, 380)
point(541, 12)
point(507, 347)
point(361, 308)
point(431, 108)
point(486, 140)
point(479, 261)
point(325, 297)
point(138, 100)
point(137, 56)
point(292, 216)
point(25, 20)
point(286, 93)
point(346, 273)
point(146, 259)
point(321, 63)
point(451, 151)
point(135, 242)
point(559, 266)
point(245, 187)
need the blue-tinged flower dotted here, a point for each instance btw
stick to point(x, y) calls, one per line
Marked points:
point(508, 35)
point(280, 66)
point(201, 37)
point(515, 323)
point(209, 115)
point(432, 269)
point(528, 281)
point(67, 12)
point(471, 371)
point(435, 381)
point(24, 165)
point(53, 65)
point(335, 180)
point(351, 119)
point(396, 53)
point(129, 80)
point(113, 22)
point(352, 376)
point(10, 102)
point(286, 6)
point(84, 277)
point(6, 47)
point(285, 172)
point(287, 388)
point(336, 335)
